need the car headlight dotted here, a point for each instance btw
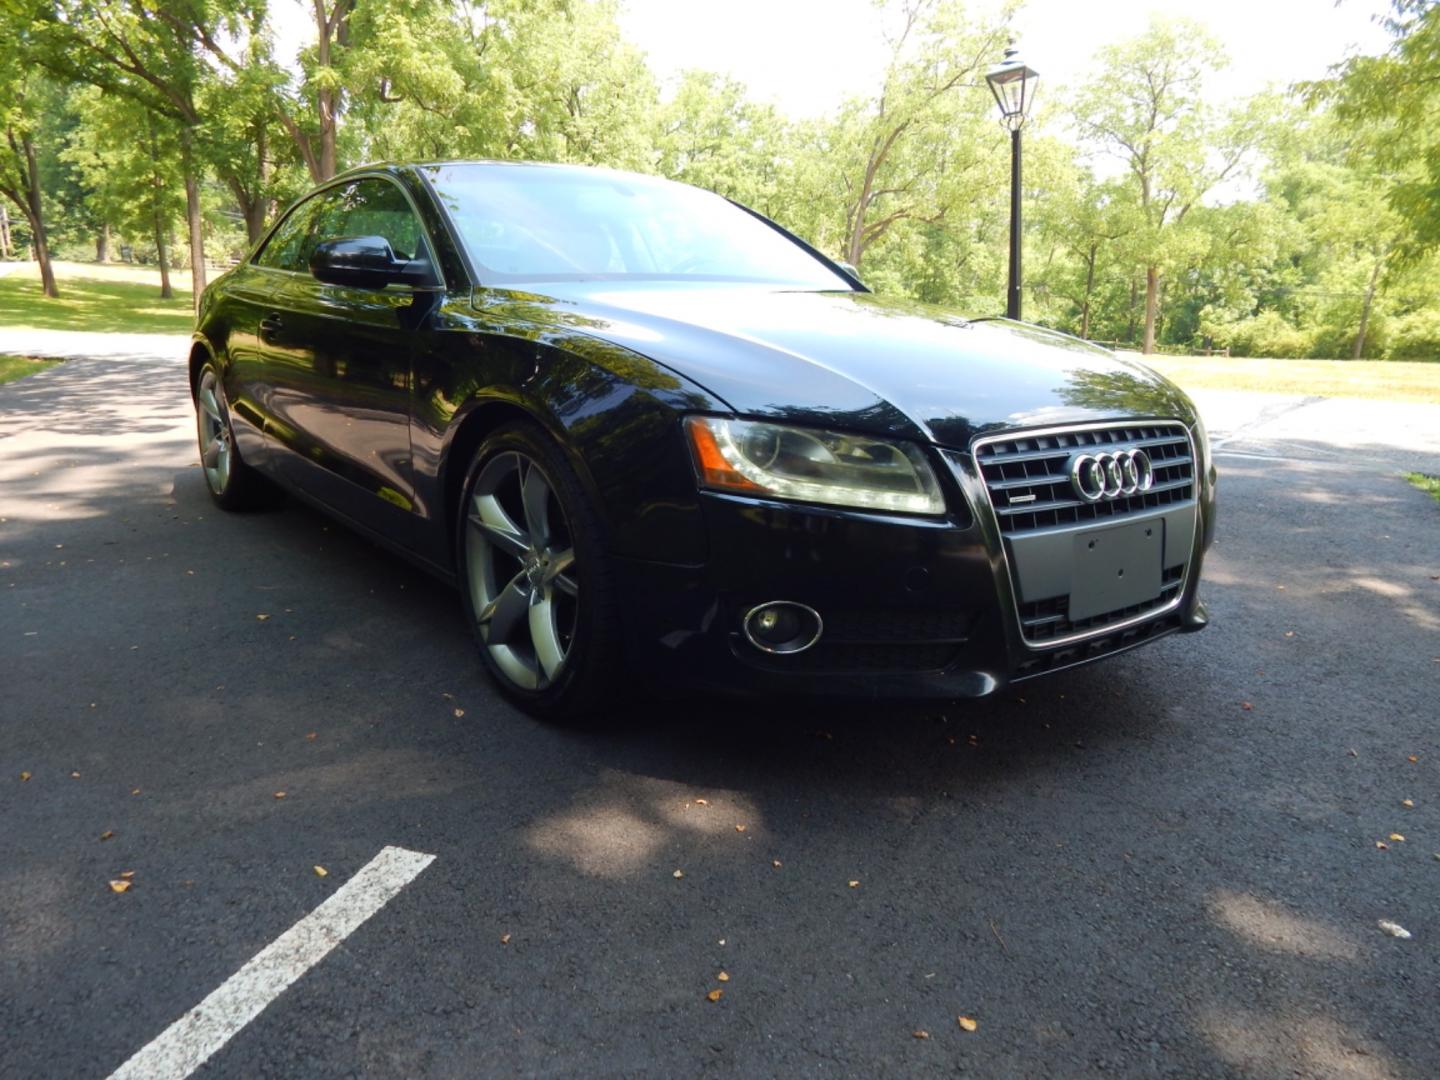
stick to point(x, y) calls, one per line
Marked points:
point(755, 458)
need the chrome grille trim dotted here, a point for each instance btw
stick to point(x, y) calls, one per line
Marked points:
point(1034, 453)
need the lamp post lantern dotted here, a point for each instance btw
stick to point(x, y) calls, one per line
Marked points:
point(1013, 84)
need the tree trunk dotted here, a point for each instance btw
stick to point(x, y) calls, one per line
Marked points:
point(1089, 289)
point(1365, 309)
point(192, 216)
point(1130, 313)
point(102, 244)
point(1152, 296)
point(332, 29)
point(4, 232)
point(162, 252)
point(35, 212)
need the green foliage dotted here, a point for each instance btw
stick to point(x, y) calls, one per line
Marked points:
point(1260, 226)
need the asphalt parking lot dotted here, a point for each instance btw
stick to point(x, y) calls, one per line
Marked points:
point(1173, 863)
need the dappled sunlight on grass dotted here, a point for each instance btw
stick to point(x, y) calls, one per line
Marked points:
point(92, 299)
point(17, 367)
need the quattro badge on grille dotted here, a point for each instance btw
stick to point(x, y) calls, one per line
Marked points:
point(1111, 475)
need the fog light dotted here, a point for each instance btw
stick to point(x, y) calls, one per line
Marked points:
point(781, 626)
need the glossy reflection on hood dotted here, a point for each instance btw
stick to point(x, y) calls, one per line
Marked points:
point(890, 366)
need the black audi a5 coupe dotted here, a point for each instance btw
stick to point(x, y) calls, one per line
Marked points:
point(652, 436)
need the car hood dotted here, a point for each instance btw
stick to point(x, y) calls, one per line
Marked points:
point(856, 360)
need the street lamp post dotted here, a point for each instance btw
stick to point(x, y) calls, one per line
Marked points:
point(1013, 85)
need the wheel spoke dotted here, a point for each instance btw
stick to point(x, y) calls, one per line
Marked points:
point(548, 650)
point(503, 615)
point(213, 452)
point(558, 575)
point(535, 494)
point(210, 403)
point(498, 527)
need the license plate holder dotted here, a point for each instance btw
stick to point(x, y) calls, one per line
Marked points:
point(1116, 567)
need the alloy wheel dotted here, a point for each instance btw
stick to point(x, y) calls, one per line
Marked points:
point(521, 568)
point(216, 451)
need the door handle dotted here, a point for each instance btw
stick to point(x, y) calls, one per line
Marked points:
point(270, 326)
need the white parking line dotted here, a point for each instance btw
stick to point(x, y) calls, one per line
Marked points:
point(186, 1044)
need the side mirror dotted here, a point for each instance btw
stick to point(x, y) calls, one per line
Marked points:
point(366, 262)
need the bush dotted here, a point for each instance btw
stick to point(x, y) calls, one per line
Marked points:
point(1265, 334)
point(1415, 336)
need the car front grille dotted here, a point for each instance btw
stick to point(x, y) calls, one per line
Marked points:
point(1029, 485)
point(1027, 480)
point(1046, 620)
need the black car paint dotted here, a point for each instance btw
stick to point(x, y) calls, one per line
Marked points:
point(370, 404)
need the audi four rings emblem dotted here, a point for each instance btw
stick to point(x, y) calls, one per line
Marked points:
point(1111, 475)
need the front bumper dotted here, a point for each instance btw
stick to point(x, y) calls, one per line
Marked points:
point(913, 608)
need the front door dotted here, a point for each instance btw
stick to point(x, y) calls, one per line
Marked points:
point(339, 367)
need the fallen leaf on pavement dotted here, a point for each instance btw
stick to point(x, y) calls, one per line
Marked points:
point(714, 995)
point(1246, 706)
point(920, 1034)
point(1409, 804)
point(107, 834)
point(854, 884)
point(678, 874)
point(702, 802)
point(74, 776)
point(119, 886)
point(1352, 753)
point(966, 1023)
point(776, 863)
point(135, 791)
point(1394, 929)
point(1382, 845)
point(724, 976)
point(313, 736)
point(459, 713)
point(1412, 759)
point(279, 794)
point(320, 871)
point(1397, 837)
point(739, 828)
point(126, 875)
point(1289, 633)
point(261, 618)
point(24, 776)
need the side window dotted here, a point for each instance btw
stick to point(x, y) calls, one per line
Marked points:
point(283, 250)
point(372, 208)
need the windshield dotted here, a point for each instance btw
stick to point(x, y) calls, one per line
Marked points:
point(533, 223)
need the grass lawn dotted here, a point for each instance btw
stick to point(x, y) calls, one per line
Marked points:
point(17, 367)
point(1428, 484)
point(1389, 380)
point(111, 299)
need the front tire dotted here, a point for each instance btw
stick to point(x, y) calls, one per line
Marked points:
point(232, 484)
point(534, 577)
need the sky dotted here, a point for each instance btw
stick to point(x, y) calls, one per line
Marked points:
point(806, 56)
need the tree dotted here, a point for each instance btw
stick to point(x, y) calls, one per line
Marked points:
point(1145, 106)
point(909, 153)
point(24, 99)
point(145, 50)
point(126, 157)
point(1390, 103)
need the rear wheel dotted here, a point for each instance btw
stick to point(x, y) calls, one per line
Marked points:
point(233, 484)
point(535, 580)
